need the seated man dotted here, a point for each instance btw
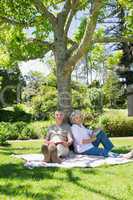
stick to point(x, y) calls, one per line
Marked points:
point(87, 141)
point(57, 141)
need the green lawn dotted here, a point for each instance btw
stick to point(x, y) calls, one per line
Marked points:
point(102, 183)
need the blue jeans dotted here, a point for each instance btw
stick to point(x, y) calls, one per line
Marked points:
point(101, 138)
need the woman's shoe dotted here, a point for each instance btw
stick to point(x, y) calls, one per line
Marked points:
point(128, 155)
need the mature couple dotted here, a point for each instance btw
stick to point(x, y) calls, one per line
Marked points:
point(85, 141)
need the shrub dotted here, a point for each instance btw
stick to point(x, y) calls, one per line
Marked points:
point(22, 130)
point(18, 114)
point(27, 133)
point(3, 134)
point(117, 123)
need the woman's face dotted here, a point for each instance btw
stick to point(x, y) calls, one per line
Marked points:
point(77, 119)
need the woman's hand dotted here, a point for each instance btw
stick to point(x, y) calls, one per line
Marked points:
point(89, 140)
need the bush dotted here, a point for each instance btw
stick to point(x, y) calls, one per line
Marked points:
point(117, 123)
point(18, 114)
point(17, 130)
point(27, 133)
point(3, 134)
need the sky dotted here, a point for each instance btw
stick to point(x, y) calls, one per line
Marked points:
point(34, 65)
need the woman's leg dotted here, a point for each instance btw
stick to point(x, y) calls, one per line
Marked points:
point(97, 152)
point(104, 140)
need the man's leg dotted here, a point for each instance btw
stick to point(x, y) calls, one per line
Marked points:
point(45, 152)
point(53, 153)
point(104, 140)
point(62, 151)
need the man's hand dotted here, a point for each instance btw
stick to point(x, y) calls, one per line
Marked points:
point(65, 144)
point(48, 142)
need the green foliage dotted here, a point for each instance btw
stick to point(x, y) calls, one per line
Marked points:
point(9, 85)
point(114, 59)
point(116, 123)
point(17, 9)
point(95, 97)
point(112, 91)
point(3, 134)
point(45, 103)
point(81, 29)
point(11, 116)
point(17, 130)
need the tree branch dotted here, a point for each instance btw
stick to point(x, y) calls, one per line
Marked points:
point(44, 11)
point(41, 42)
point(70, 17)
point(62, 16)
point(44, 45)
point(113, 39)
point(87, 38)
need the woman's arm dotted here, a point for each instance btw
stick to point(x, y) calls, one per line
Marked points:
point(88, 140)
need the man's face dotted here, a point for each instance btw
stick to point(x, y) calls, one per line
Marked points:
point(59, 117)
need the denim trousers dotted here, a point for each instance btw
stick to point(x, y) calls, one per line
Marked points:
point(101, 138)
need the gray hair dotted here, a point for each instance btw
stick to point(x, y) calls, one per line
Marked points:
point(74, 114)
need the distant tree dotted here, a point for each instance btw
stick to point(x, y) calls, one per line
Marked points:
point(112, 91)
point(11, 83)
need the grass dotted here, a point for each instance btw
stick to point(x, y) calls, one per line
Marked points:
point(102, 183)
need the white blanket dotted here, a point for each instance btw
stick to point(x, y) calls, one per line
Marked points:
point(74, 160)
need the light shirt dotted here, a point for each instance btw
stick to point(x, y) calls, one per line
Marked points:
point(59, 133)
point(80, 133)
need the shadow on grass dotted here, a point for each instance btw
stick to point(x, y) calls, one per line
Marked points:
point(17, 171)
point(77, 181)
point(26, 191)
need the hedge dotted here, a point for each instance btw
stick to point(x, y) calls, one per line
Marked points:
point(116, 123)
point(20, 130)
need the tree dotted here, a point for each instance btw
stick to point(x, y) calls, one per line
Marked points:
point(51, 21)
point(11, 83)
point(112, 91)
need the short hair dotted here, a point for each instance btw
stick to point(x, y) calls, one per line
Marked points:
point(74, 114)
point(60, 111)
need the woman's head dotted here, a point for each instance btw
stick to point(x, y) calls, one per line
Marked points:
point(76, 117)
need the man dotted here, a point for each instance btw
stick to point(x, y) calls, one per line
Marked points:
point(57, 141)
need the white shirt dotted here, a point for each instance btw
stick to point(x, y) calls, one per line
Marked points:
point(79, 133)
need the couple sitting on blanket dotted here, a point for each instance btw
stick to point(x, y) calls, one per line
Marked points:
point(85, 141)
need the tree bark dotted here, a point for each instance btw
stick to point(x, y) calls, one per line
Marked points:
point(64, 93)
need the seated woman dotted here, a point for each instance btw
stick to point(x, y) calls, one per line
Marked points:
point(87, 141)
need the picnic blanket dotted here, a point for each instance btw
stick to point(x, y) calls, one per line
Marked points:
point(74, 160)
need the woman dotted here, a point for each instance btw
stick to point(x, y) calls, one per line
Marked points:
point(87, 141)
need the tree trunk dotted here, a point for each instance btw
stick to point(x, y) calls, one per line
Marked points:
point(64, 93)
point(63, 79)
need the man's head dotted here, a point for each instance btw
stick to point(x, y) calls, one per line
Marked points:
point(59, 117)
